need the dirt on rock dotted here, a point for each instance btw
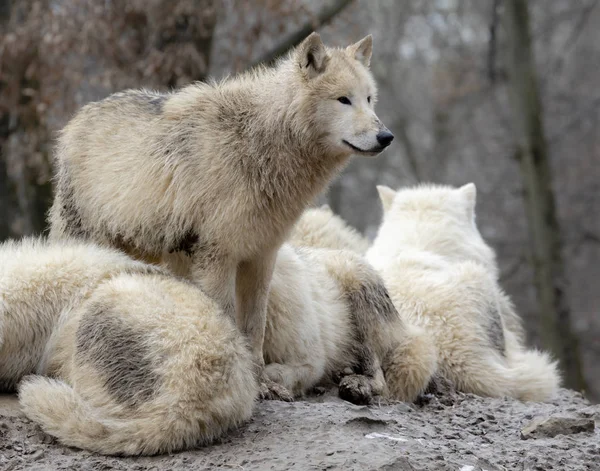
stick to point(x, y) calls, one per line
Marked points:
point(458, 432)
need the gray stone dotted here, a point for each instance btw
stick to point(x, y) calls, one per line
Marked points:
point(549, 427)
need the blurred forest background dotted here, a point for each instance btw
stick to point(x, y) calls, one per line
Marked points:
point(503, 93)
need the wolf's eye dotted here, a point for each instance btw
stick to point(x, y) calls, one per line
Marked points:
point(344, 100)
point(368, 99)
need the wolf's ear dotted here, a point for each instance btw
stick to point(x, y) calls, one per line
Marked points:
point(362, 50)
point(312, 56)
point(386, 195)
point(469, 193)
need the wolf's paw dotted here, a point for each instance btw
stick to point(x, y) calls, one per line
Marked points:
point(277, 373)
point(424, 399)
point(272, 391)
point(356, 389)
point(341, 374)
point(439, 385)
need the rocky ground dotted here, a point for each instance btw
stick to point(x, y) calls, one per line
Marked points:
point(455, 432)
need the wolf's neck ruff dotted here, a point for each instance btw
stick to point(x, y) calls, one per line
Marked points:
point(266, 121)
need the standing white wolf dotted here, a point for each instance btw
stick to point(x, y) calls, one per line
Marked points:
point(211, 178)
point(444, 277)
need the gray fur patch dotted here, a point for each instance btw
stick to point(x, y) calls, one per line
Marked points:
point(206, 254)
point(153, 102)
point(119, 354)
point(372, 298)
point(364, 360)
point(438, 384)
point(496, 331)
point(177, 146)
point(156, 103)
point(368, 305)
point(69, 212)
point(7, 385)
point(187, 243)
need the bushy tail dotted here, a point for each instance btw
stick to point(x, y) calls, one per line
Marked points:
point(527, 375)
point(534, 375)
point(63, 413)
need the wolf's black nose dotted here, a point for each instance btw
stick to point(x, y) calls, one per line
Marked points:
point(385, 138)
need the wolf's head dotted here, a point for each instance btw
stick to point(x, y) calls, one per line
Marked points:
point(438, 219)
point(342, 94)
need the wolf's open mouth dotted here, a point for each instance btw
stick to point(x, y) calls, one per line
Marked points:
point(362, 151)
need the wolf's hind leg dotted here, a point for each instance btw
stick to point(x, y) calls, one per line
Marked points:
point(366, 380)
point(372, 316)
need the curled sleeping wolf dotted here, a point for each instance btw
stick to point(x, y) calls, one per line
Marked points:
point(120, 357)
point(443, 278)
point(129, 360)
point(210, 179)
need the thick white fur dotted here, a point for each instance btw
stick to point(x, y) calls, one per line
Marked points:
point(38, 282)
point(328, 312)
point(220, 171)
point(308, 327)
point(128, 361)
point(443, 277)
point(322, 228)
point(412, 362)
point(313, 327)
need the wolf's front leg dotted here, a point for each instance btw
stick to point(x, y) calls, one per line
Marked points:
point(252, 293)
point(215, 275)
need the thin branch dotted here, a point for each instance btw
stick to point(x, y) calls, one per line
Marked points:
point(579, 27)
point(591, 108)
point(576, 31)
point(493, 44)
point(325, 16)
point(586, 237)
point(549, 26)
point(512, 269)
point(409, 148)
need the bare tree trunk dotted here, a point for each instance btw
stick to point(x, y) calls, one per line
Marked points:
point(544, 229)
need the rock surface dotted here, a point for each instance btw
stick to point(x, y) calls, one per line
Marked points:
point(458, 432)
point(550, 427)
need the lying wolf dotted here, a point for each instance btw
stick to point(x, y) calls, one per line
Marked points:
point(125, 359)
point(443, 277)
point(329, 311)
point(211, 178)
